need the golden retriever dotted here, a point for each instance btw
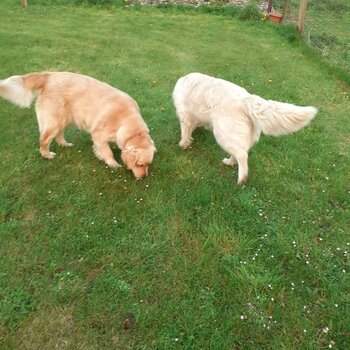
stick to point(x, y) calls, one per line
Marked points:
point(236, 117)
point(107, 113)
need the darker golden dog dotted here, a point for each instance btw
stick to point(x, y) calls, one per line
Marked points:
point(107, 113)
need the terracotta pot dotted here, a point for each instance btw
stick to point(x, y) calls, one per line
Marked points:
point(275, 17)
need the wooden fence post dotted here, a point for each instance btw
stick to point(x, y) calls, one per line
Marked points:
point(269, 6)
point(302, 14)
point(24, 3)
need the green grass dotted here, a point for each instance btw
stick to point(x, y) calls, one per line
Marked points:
point(199, 262)
point(326, 29)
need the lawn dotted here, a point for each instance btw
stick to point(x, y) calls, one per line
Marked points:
point(185, 259)
point(328, 31)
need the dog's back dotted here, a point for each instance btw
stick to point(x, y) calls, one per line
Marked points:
point(21, 90)
point(77, 88)
point(199, 95)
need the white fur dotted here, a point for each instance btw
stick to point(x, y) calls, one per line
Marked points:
point(13, 90)
point(236, 117)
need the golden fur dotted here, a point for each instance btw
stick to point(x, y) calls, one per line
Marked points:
point(236, 117)
point(107, 113)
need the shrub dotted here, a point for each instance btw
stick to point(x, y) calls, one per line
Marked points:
point(250, 12)
point(77, 2)
point(288, 31)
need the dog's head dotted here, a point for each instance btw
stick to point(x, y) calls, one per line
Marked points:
point(138, 155)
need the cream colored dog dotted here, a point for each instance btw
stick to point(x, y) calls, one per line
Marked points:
point(108, 114)
point(236, 117)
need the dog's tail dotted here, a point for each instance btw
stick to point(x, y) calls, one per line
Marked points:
point(20, 89)
point(277, 118)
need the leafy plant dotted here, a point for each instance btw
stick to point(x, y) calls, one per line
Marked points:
point(250, 12)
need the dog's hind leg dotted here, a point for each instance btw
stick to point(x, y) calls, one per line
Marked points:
point(187, 126)
point(46, 136)
point(61, 140)
point(236, 145)
point(230, 161)
point(103, 151)
point(242, 159)
point(49, 123)
point(239, 156)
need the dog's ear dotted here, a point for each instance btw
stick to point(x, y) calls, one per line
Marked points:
point(129, 157)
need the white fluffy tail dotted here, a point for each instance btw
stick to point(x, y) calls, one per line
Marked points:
point(277, 118)
point(14, 90)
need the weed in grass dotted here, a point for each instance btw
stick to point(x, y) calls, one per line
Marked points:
point(250, 12)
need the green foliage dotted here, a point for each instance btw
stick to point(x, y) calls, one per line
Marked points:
point(337, 7)
point(326, 31)
point(250, 13)
point(320, 39)
point(15, 304)
point(289, 32)
point(78, 2)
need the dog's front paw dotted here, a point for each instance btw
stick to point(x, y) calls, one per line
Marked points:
point(185, 143)
point(113, 164)
point(49, 155)
point(64, 143)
